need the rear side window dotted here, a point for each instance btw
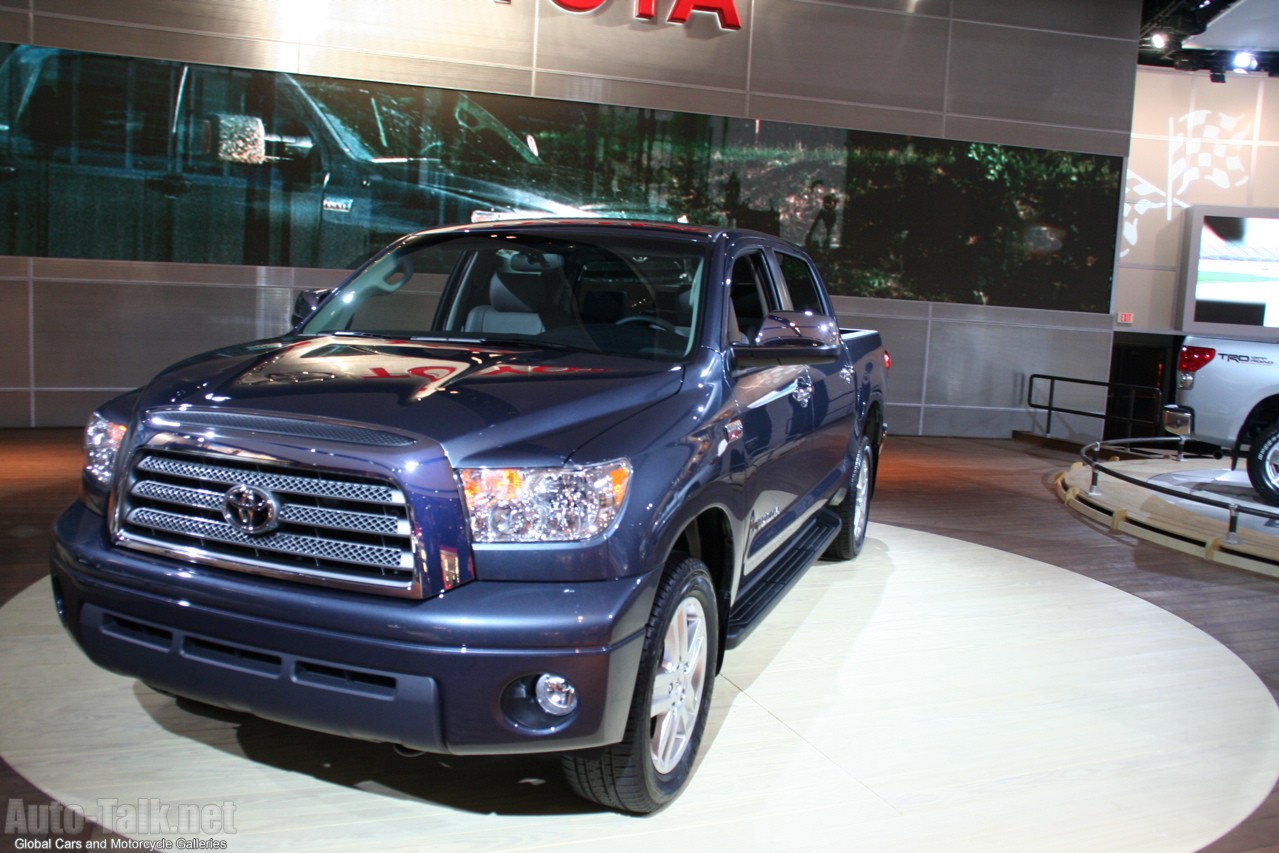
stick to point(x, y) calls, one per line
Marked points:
point(800, 284)
point(99, 108)
point(749, 296)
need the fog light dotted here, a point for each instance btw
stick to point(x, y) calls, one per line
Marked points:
point(541, 704)
point(555, 695)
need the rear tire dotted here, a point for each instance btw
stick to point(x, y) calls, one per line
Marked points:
point(854, 509)
point(1263, 464)
point(652, 763)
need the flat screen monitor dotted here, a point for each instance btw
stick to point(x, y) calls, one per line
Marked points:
point(1230, 272)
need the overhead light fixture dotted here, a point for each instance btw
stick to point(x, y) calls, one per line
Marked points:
point(1243, 62)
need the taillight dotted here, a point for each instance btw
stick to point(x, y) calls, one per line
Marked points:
point(888, 361)
point(1193, 358)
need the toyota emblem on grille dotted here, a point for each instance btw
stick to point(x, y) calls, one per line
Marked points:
point(250, 509)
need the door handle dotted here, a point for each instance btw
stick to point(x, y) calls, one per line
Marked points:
point(170, 185)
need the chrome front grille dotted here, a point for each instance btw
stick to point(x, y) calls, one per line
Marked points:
point(328, 527)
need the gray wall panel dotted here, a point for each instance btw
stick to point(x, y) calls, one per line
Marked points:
point(312, 279)
point(342, 62)
point(1067, 320)
point(11, 267)
point(246, 18)
point(903, 419)
point(138, 329)
point(1031, 76)
point(860, 116)
point(67, 408)
point(988, 364)
point(14, 26)
point(413, 28)
point(74, 269)
point(164, 44)
point(1086, 17)
point(837, 53)
point(657, 96)
point(15, 409)
point(938, 8)
point(15, 331)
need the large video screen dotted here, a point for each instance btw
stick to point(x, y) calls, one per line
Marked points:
point(1231, 280)
point(136, 159)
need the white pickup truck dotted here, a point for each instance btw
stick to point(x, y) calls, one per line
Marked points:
point(1228, 396)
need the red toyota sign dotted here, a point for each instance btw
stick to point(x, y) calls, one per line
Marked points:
point(647, 10)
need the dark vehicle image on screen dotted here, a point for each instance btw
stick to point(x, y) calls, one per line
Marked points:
point(285, 168)
point(512, 487)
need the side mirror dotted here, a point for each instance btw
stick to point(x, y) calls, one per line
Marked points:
point(243, 139)
point(305, 304)
point(237, 139)
point(791, 337)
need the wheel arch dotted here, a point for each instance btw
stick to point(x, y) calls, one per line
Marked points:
point(1263, 414)
point(709, 538)
point(875, 430)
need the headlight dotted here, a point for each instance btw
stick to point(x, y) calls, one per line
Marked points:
point(544, 504)
point(102, 440)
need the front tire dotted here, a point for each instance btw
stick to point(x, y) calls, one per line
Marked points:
point(1263, 464)
point(652, 763)
point(854, 509)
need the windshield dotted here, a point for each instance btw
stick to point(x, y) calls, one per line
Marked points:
point(619, 295)
point(398, 123)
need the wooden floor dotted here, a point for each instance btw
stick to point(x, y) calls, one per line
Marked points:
point(993, 493)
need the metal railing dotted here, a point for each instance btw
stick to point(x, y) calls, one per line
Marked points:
point(1234, 508)
point(1132, 393)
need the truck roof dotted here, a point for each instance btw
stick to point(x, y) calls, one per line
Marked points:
point(674, 229)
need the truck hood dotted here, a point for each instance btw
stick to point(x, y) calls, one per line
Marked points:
point(486, 405)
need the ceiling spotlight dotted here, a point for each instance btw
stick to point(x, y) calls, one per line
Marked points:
point(1243, 62)
point(1159, 41)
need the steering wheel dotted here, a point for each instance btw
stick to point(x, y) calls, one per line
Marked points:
point(649, 320)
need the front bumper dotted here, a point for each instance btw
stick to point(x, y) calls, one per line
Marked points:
point(429, 675)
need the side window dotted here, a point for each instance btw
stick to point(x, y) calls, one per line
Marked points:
point(100, 109)
point(800, 284)
point(750, 297)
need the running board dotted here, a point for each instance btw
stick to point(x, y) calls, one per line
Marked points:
point(780, 574)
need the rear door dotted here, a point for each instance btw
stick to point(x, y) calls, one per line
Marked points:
point(835, 386)
point(774, 405)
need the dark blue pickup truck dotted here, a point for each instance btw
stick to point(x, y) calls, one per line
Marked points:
point(509, 488)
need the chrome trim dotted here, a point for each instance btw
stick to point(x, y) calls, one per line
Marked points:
point(339, 529)
point(247, 421)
